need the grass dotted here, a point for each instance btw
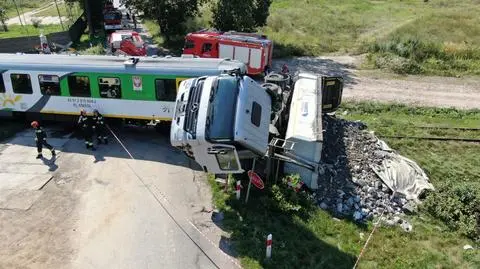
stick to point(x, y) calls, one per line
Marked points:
point(154, 29)
point(316, 27)
point(29, 30)
point(305, 236)
point(175, 45)
point(23, 6)
point(64, 11)
point(97, 44)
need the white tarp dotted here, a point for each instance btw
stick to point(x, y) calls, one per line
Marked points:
point(401, 174)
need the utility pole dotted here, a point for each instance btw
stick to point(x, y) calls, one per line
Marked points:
point(18, 13)
point(59, 16)
point(23, 14)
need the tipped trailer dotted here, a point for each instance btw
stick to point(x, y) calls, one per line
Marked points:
point(225, 122)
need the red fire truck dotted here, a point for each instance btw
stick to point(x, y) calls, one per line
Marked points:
point(252, 49)
point(112, 17)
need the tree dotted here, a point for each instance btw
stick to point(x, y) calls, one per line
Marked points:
point(3, 18)
point(169, 14)
point(240, 15)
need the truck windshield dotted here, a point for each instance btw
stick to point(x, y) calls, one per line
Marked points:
point(113, 16)
point(221, 113)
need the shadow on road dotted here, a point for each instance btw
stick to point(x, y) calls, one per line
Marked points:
point(143, 144)
point(52, 166)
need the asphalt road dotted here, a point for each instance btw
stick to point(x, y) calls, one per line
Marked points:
point(102, 209)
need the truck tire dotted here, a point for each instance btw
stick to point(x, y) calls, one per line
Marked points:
point(276, 96)
point(282, 80)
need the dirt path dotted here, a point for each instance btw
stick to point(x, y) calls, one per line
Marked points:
point(463, 93)
point(26, 18)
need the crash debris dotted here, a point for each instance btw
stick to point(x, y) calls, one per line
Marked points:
point(364, 177)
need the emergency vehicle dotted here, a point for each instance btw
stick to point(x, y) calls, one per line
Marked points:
point(139, 89)
point(252, 49)
point(127, 41)
point(112, 17)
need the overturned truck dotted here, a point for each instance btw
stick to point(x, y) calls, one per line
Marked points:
point(227, 123)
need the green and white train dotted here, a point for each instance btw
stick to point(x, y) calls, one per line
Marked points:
point(141, 88)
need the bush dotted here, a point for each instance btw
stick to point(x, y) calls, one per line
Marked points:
point(395, 63)
point(95, 50)
point(36, 22)
point(412, 56)
point(458, 206)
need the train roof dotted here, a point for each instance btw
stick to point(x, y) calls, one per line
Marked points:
point(185, 65)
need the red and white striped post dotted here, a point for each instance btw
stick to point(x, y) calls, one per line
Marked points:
point(269, 246)
point(238, 188)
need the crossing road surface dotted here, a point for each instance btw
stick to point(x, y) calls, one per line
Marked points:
point(102, 209)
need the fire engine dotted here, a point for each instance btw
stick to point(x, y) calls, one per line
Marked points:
point(252, 49)
point(112, 17)
point(127, 42)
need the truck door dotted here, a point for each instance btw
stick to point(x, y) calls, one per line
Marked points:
point(225, 158)
point(207, 48)
point(189, 47)
point(332, 88)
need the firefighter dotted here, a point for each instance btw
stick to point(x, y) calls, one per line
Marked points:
point(86, 124)
point(285, 69)
point(41, 139)
point(99, 126)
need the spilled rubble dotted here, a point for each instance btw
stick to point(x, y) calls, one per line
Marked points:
point(364, 178)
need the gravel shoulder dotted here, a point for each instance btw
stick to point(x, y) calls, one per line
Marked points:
point(363, 85)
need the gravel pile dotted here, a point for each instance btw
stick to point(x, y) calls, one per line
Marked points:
point(350, 187)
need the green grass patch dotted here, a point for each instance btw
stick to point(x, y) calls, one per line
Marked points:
point(23, 6)
point(71, 14)
point(29, 30)
point(154, 29)
point(175, 44)
point(446, 34)
point(305, 236)
point(94, 45)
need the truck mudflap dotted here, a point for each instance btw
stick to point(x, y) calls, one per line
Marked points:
point(332, 89)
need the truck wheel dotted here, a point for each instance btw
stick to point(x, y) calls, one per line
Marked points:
point(274, 77)
point(281, 80)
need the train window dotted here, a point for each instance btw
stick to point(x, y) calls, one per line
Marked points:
point(207, 47)
point(256, 114)
point(166, 89)
point(49, 84)
point(2, 85)
point(79, 86)
point(110, 88)
point(21, 83)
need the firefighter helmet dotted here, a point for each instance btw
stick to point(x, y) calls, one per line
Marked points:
point(34, 124)
point(83, 112)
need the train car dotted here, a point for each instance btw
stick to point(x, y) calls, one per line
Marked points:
point(143, 88)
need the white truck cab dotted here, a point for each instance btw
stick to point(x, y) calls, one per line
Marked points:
point(220, 119)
